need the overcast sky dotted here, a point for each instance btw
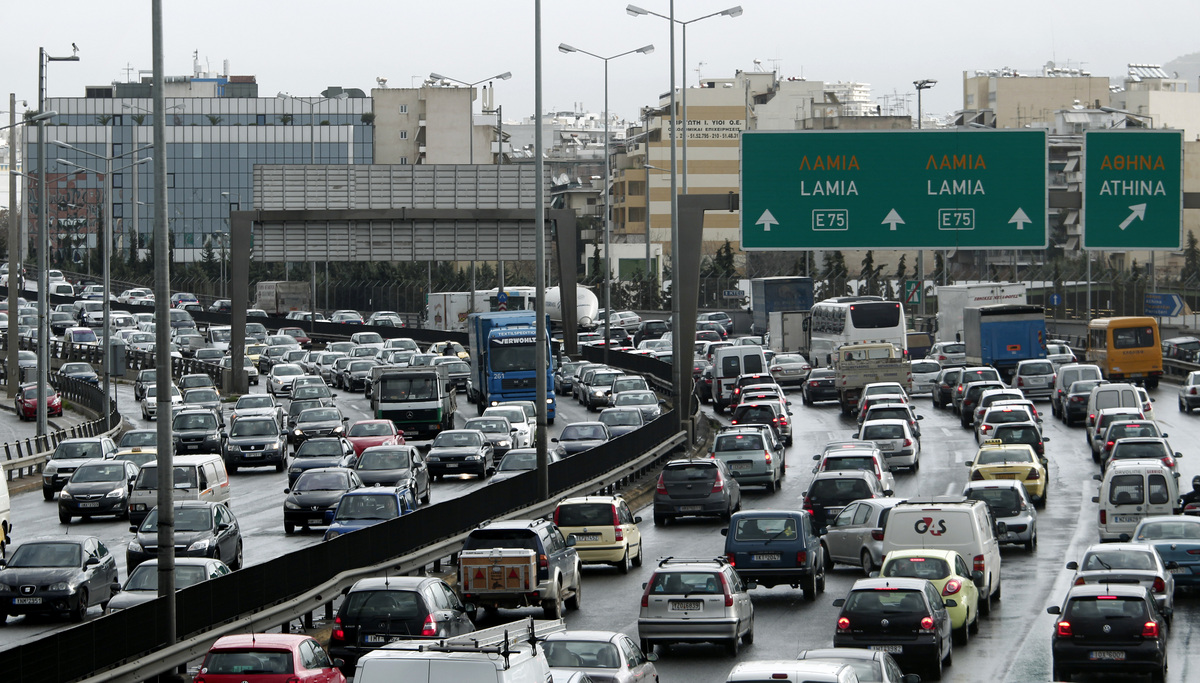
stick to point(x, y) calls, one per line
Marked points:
point(303, 46)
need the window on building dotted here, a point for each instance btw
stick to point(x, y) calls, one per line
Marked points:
point(404, 109)
point(261, 119)
point(117, 149)
point(404, 160)
point(403, 135)
point(118, 210)
point(170, 180)
point(118, 181)
point(118, 120)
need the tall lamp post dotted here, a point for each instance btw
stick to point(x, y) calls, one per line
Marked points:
point(645, 50)
point(636, 11)
point(106, 253)
point(922, 85)
point(43, 337)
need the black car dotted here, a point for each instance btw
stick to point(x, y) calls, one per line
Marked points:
point(204, 397)
point(621, 420)
point(377, 611)
point(580, 437)
point(327, 451)
point(498, 431)
point(59, 576)
point(144, 379)
point(650, 329)
point(1108, 627)
point(314, 492)
point(317, 422)
point(820, 386)
point(60, 321)
point(944, 385)
point(354, 375)
point(196, 430)
point(202, 529)
point(98, 487)
point(1075, 405)
point(80, 371)
point(459, 451)
point(299, 406)
point(314, 391)
point(255, 441)
point(396, 466)
point(1021, 432)
point(908, 615)
point(564, 377)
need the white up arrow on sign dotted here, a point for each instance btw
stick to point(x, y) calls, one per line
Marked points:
point(892, 219)
point(1139, 212)
point(766, 220)
point(1020, 218)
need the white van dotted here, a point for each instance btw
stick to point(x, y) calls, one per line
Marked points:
point(470, 657)
point(1131, 490)
point(1111, 395)
point(728, 363)
point(197, 477)
point(5, 521)
point(950, 523)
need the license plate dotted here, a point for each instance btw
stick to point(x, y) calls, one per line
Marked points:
point(1126, 519)
point(689, 508)
point(740, 466)
point(1181, 570)
point(89, 505)
point(27, 601)
point(766, 557)
point(1037, 381)
point(451, 465)
point(1114, 655)
point(586, 537)
point(686, 605)
point(1006, 475)
point(890, 649)
point(253, 455)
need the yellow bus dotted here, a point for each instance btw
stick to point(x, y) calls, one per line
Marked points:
point(1127, 349)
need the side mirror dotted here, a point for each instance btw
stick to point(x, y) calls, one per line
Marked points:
point(1095, 499)
point(554, 440)
point(920, 417)
point(644, 584)
point(1097, 477)
point(571, 541)
point(969, 463)
point(1045, 439)
point(92, 562)
point(1001, 528)
point(1073, 566)
point(873, 575)
point(491, 471)
point(339, 662)
point(650, 656)
point(288, 490)
point(839, 602)
point(911, 678)
point(133, 528)
point(1172, 565)
point(751, 585)
point(725, 531)
point(1053, 609)
point(222, 527)
point(1124, 538)
point(329, 516)
point(949, 603)
point(1178, 455)
point(888, 492)
point(817, 457)
point(1165, 435)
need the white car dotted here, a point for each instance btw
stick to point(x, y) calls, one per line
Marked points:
point(150, 401)
point(516, 416)
point(280, 378)
point(924, 374)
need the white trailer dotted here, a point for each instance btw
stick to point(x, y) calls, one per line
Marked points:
point(952, 299)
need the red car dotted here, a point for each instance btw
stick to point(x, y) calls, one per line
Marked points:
point(26, 402)
point(366, 433)
point(268, 658)
point(298, 334)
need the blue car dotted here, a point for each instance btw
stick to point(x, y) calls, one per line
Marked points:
point(364, 507)
point(776, 547)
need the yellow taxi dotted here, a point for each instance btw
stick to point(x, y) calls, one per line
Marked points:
point(138, 455)
point(449, 348)
point(604, 529)
point(253, 351)
point(950, 574)
point(997, 460)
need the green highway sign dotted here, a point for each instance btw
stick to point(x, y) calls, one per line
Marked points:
point(969, 189)
point(1133, 189)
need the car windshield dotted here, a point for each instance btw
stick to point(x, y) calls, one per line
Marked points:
point(576, 654)
point(70, 450)
point(75, 368)
point(488, 426)
point(139, 437)
point(582, 433)
point(195, 421)
point(246, 402)
point(372, 429)
point(994, 456)
point(202, 396)
point(1004, 415)
point(320, 415)
point(369, 506)
point(30, 393)
point(322, 481)
point(888, 413)
point(319, 448)
point(688, 473)
point(885, 601)
point(245, 427)
point(1154, 531)
point(738, 442)
point(310, 391)
point(383, 459)
point(457, 439)
point(407, 389)
point(765, 529)
point(46, 555)
point(247, 662)
point(287, 370)
point(359, 366)
point(932, 568)
point(98, 473)
point(517, 462)
point(189, 519)
point(515, 416)
point(925, 367)
point(687, 583)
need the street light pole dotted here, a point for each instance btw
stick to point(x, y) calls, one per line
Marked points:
point(224, 285)
point(922, 85)
point(645, 50)
point(43, 333)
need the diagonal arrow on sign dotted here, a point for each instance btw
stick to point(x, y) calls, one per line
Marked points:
point(893, 219)
point(1139, 212)
point(1020, 218)
point(766, 220)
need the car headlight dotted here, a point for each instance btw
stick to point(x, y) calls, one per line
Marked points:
point(50, 469)
point(289, 505)
point(434, 458)
point(200, 546)
point(504, 444)
point(560, 450)
point(116, 493)
point(598, 392)
point(61, 586)
point(298, 432)
point(474, 457)
point(339, 429)
point(64, 495)
point(134, 546)
point(4, 588)
point(232, 447)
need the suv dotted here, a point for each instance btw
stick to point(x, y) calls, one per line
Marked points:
point(604, 530)
point(1035, 378)
point(752, 456)
point(377, 611)
point(255, 441)
point(774, 547)
point(68, 455)
point(1109, 627)
point(1189, 392)
point(944, 384)
point(1009, 502)
point(832, 490)
point(878, 613)
point(196, 430)
point(980, 373)
point(696, 487)
point(970, 396)
point(559, 575)
point(650, 329)
point(696, 600)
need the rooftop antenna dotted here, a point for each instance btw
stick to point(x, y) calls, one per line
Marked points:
point(775, 63)
point(699, 66)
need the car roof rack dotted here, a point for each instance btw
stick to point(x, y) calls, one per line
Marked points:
point(498, 640)
point(692, 560)
point(937, 500)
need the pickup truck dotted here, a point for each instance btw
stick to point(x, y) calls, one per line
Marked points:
point(858, 365)
point(520, 563)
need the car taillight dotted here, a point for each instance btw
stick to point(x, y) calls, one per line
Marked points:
point(619, 533)
point(801, 556)
point(776, 369)
point(952, 587)
point(1080, 581)
point(877, 534)
point(1103, 516)
point(1108, 446)
point(1159, 585)
point(985, 429)
point(1064, 629)
point(908, 442)
point(1150, 629)
point(1192, 391)
point(1020, 381)
point(646, 594)
point(1168, 461)
point(812, 383)
point(927, 624)
point(1076, 399)
point(980, 565)
point(942, 357)
point(1033, 476)
point(556, 517)
point(543, 562)
point(430, 628)
point(712, 456)
point(732, 559)
point(725, 588)
point(718, 484)
point(843, 623)
point(767, 456)
point(661, 488)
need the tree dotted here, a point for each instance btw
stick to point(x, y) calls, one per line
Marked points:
point(138, 119)
point(867, 274)
point(1191, 259)
point(939, 266)
point(208, 258)
point(213, 119)
point(285, 119)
